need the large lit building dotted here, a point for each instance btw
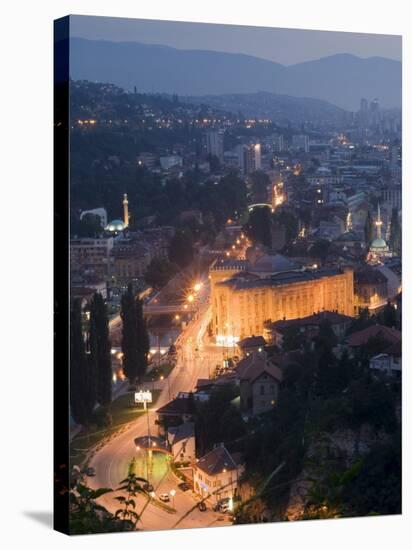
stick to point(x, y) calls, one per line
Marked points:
point(245, 295)
point(250, 158)
point(214, 143)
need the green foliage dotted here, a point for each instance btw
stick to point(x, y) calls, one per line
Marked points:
point(369, 229)
point(181, 249)
point(88, 226)
point(132, 485)
point(217, 419)
point(135, 338)
point(284, 216)
point(86, 515)
point(320, 249)
point(99, 346)
point(395, 240)
point(159, 272)
point(292, 339)
point(259, 182)
point(82, 387)
point(258, 227)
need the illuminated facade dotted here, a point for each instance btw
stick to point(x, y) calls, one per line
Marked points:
point(242, 300)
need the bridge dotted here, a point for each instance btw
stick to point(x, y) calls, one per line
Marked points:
point(169, 309)
point(251, 207)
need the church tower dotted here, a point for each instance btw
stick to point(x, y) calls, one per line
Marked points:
point(125, 210)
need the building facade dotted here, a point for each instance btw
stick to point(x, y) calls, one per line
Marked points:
point(242, 301)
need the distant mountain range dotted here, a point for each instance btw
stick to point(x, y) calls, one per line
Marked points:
point(339, 79)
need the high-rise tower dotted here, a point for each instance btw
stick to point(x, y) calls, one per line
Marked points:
point(125, 210)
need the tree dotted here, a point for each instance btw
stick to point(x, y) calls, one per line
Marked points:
point(159, 272)
point(89, 226)
point(181, 249)
point(293, 339)
point(133, 486)
point(289, 221)
point(260, 182)
point(369, 229)
point(319, 249)
point(327, 383)
point(258, 227)
point(100, 350)
point(396, 232)
point(82, 395)
point(388, 316)
point(135, 339)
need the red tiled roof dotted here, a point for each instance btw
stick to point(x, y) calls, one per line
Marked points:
point(361, 337)
point(395, 349)
point(217, 460)
point(316, 319)
point(254, 366)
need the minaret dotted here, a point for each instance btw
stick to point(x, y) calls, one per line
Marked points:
point(125, 210)
point(378, 224)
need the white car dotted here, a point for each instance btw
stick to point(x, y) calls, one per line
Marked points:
point(164, 497)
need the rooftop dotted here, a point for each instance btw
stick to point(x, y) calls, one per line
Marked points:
point(217, 460)
point(391, 335)
point(252, 367)
point(331, 317)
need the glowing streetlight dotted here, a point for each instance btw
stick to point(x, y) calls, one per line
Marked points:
point(190, 298)
point(172, 494)
point(197, 287)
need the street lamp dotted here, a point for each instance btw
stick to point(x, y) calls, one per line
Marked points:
point(172, 494)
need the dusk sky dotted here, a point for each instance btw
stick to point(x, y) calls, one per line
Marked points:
point(286, 46)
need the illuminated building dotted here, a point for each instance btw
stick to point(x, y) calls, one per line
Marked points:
point(245, 295)
point(214, 143)
point(216, 475)
point(115, 226)
point(379, 249)
point(125, 210)
point(250, 158)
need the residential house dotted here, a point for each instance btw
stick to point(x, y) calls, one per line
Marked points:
point(182, 442)
point(259, 381)
point(217, 474)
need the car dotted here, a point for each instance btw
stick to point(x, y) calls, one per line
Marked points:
point(202, 506)
point(148, 487)
point(90, 472)
point(183, 486)
point(223, 505)
point(164, 497)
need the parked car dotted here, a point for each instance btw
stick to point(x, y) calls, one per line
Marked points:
point(148, 487)
point(202, 506)
point(183, 486)
point(223, 505)
point(90, 472)
point(164, 497)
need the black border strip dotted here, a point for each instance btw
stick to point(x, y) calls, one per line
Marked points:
point(61, 275)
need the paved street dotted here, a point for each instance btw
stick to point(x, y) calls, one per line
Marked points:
point(195, 360)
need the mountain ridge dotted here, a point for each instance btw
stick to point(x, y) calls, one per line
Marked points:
point(340, 79)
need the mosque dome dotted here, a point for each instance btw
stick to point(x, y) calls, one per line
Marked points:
point(115, 226)
point(378, 243)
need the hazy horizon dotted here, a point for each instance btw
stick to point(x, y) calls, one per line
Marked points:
point(261, 42)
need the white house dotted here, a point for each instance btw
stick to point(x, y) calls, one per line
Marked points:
point(217, 474)
point(182, 442)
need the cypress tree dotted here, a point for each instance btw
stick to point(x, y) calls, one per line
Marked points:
point(396, 233)
point(81, 380)
point(369, 230)
point(135, 339)
point(100, 350)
